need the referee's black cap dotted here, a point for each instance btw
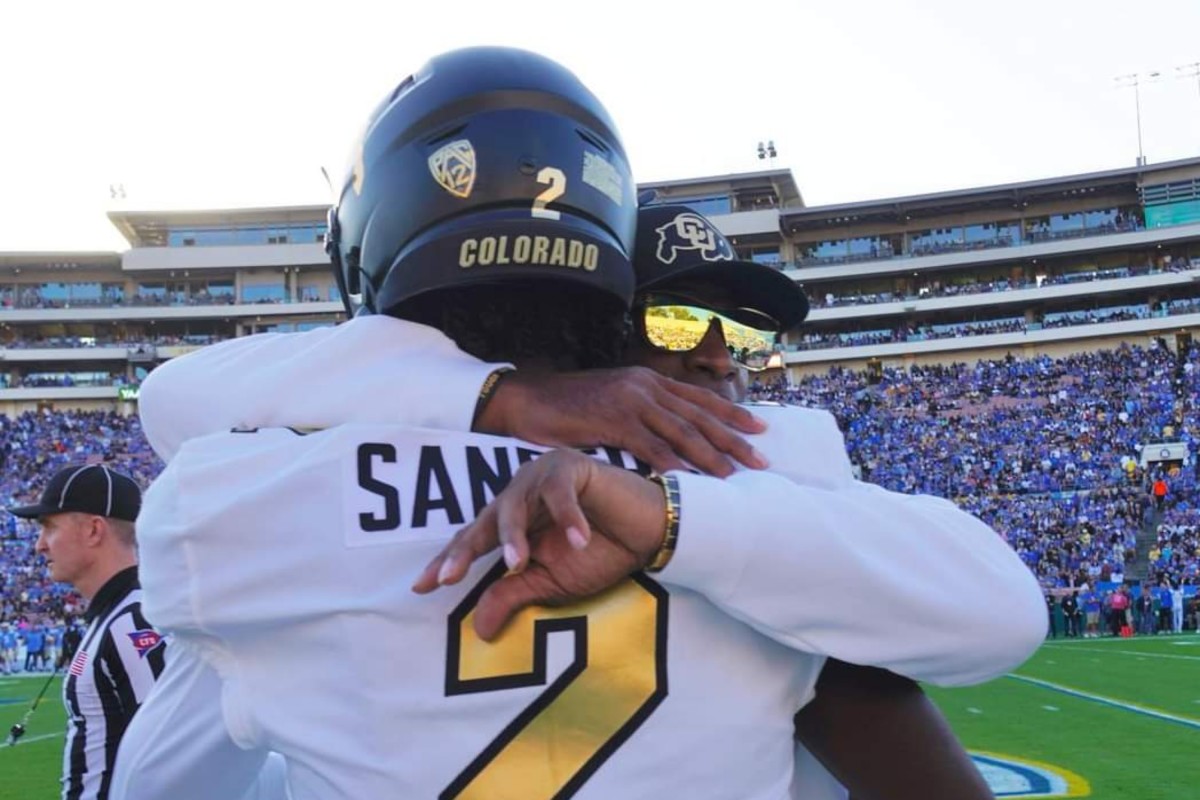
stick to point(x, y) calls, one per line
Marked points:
point(88, 489)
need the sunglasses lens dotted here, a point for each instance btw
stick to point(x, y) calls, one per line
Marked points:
point(675, 328)
point(680, 328)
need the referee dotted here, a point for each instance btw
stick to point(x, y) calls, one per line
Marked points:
point(87, 515)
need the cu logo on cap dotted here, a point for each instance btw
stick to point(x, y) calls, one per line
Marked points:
point(691, 232)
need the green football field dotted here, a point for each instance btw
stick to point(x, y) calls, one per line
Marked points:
point(1110, 719)
point(1123, 715)
point(30, 769)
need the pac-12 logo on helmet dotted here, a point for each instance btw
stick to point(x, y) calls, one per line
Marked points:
point(453, 166)
point(690, 231)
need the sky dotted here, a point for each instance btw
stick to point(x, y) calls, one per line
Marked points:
point(221, 104)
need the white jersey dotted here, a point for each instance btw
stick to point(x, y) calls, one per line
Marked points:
point(821, 563)
point(288, 559)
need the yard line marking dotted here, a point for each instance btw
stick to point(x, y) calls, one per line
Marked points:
point(1108, 701)
point(1140, 653)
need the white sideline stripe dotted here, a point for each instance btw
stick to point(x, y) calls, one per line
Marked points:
point(1172, 638)
point(4, 748)
point(1131, 653)
point(1108, 701)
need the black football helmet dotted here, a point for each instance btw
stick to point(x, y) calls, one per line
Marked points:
point(487, 165)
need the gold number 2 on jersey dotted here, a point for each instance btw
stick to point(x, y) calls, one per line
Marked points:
point(617, 678)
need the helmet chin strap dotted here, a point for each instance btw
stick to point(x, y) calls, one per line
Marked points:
point(353, 302)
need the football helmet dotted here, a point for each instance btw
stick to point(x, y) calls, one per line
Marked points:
point(487, 165)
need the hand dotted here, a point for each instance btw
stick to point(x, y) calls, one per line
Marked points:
point(661, 421)
point(570, 527)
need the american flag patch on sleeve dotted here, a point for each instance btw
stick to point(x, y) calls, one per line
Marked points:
point(79, 663)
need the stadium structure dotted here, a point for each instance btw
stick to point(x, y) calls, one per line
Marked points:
point(1052, 266)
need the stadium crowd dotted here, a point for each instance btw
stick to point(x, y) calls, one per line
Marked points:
point(957, 240)
point(1045, 450)
point(934, 286)
point(34, 297)
point(81, 342)
point(815, 340)
point(62, 380)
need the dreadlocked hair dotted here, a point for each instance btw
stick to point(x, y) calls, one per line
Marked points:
point(571, 326)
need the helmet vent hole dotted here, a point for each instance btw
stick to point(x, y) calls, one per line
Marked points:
point(441, 137)
point(404, 86)
point(592, 140)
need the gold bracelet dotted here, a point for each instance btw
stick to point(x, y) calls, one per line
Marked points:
point(670, 486)
point(487, 390)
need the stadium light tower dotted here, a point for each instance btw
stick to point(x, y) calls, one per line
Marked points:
point(767, 151)
point(1135, 80)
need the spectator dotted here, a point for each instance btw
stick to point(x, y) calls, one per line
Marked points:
point(1160, 492)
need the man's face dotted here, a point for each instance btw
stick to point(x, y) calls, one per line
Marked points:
point(709, 365)
point(63, 543)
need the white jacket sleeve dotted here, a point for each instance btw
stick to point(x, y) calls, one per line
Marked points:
point(827, 564)
point(369, 369)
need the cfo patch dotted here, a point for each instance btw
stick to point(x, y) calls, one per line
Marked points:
point(145, 641)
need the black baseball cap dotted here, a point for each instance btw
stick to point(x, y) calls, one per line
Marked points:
point(88, 489)
point(680, 251)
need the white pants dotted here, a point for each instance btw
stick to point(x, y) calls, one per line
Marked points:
point(177, 745)
point(1177, 619)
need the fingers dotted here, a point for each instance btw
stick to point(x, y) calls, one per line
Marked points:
point(665, 423)
point(506, 597)
point(700, 411)
point(450, 565)
point(686, 439)
point(737, 417)
point(560, 495)
point(681, 423)
point(648, 446)
point(701, 441)
point(512, 509)
point(547, 488)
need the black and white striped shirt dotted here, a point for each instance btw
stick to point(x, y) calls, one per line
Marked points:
point(113, 670)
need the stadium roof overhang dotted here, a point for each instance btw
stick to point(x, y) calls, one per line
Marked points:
point(1013, 197)
point(66, 259)
point(779, 184)
point(149, 228)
